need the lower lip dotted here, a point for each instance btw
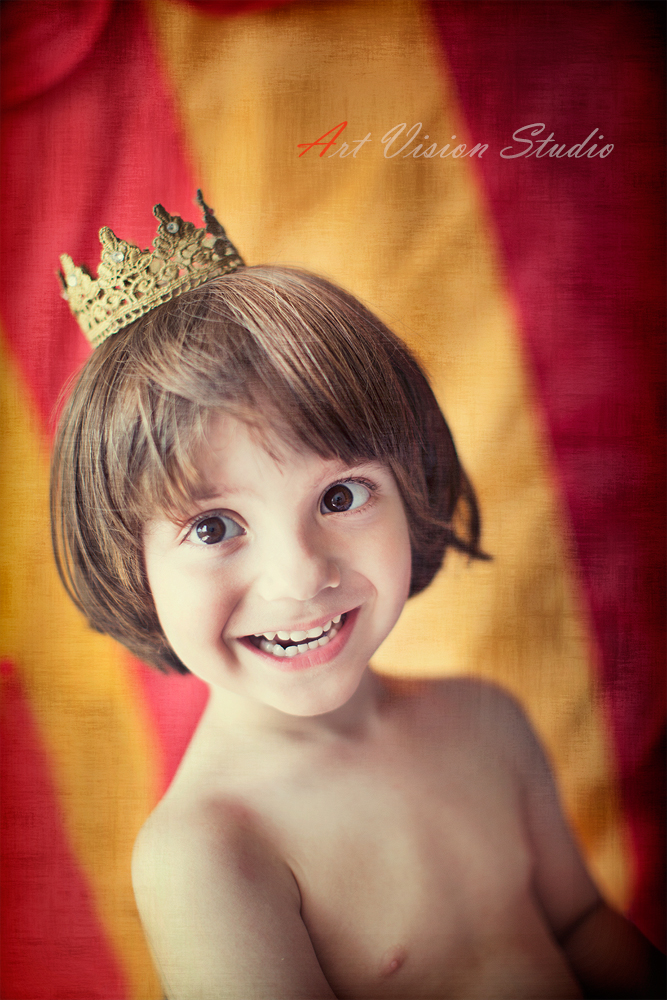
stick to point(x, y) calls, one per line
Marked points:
point(314, 657)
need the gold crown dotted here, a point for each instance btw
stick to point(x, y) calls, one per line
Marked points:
point(131, 281)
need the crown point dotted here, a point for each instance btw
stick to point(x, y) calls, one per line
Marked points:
point(146, 279)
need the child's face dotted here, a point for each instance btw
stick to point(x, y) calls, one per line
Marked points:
point(285, 580)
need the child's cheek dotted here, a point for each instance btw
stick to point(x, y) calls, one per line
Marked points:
point(193, 597)
point(388, 558)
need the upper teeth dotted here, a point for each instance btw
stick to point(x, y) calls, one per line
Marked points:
point(299, 635)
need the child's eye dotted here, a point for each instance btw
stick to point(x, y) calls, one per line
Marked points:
point(214, 528)
point(344, 496)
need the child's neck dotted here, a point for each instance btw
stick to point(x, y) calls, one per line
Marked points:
point(244, 717)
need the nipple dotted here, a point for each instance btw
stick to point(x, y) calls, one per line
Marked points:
point(392, 961)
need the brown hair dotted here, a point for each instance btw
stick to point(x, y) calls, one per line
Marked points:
point(264, 339)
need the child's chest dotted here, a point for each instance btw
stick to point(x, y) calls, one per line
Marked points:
point(415, 878)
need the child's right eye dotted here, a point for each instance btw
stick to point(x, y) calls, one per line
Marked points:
point(214, 528)
point(345, 496)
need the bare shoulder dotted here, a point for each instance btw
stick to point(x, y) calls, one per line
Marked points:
point(498, 721)
point(483, 712)
point(185, 839)
point(481, 723)
point(470, 694)
point(201, 856)
point(493, 719)
point(479, 698)
point(220, 907)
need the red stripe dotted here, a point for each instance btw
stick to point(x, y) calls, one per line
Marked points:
point(100, 148)
point(583, 243)
point(94, 142)
point(42, 46)
point(176, 702)
point(52, 944)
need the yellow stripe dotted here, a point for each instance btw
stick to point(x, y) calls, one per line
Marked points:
point(79, 689)
point(412, 238)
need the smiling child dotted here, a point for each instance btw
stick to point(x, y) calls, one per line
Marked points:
point(251, 477)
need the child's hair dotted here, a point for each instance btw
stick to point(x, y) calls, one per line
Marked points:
point(274, 346)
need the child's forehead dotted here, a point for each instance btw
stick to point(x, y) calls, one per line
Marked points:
point(234, 449)
point(236, 457)
point(261, 429)
point(206, 440)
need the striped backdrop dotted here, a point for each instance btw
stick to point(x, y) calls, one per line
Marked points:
point(531, 287)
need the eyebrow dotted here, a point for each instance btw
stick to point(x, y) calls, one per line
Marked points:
point(334, 464)
point(204, 496)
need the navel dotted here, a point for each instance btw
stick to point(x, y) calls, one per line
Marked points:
point(392, 961)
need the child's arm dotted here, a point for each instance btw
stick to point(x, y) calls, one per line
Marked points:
point(607, 953)
point(221, 912)
point(612, 958)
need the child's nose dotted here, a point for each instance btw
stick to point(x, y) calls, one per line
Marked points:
point(296, 568)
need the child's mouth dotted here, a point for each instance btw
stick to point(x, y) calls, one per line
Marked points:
point(288, 644)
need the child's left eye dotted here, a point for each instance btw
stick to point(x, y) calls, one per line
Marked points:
point(344, 496)
point(214, 528)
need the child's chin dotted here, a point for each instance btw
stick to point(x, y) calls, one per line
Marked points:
point(310, 703)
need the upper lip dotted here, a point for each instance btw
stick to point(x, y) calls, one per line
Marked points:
point(314, 623)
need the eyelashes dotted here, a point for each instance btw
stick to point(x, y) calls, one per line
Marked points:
point(213, 528)
point(342, 497)
point(346, 495)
